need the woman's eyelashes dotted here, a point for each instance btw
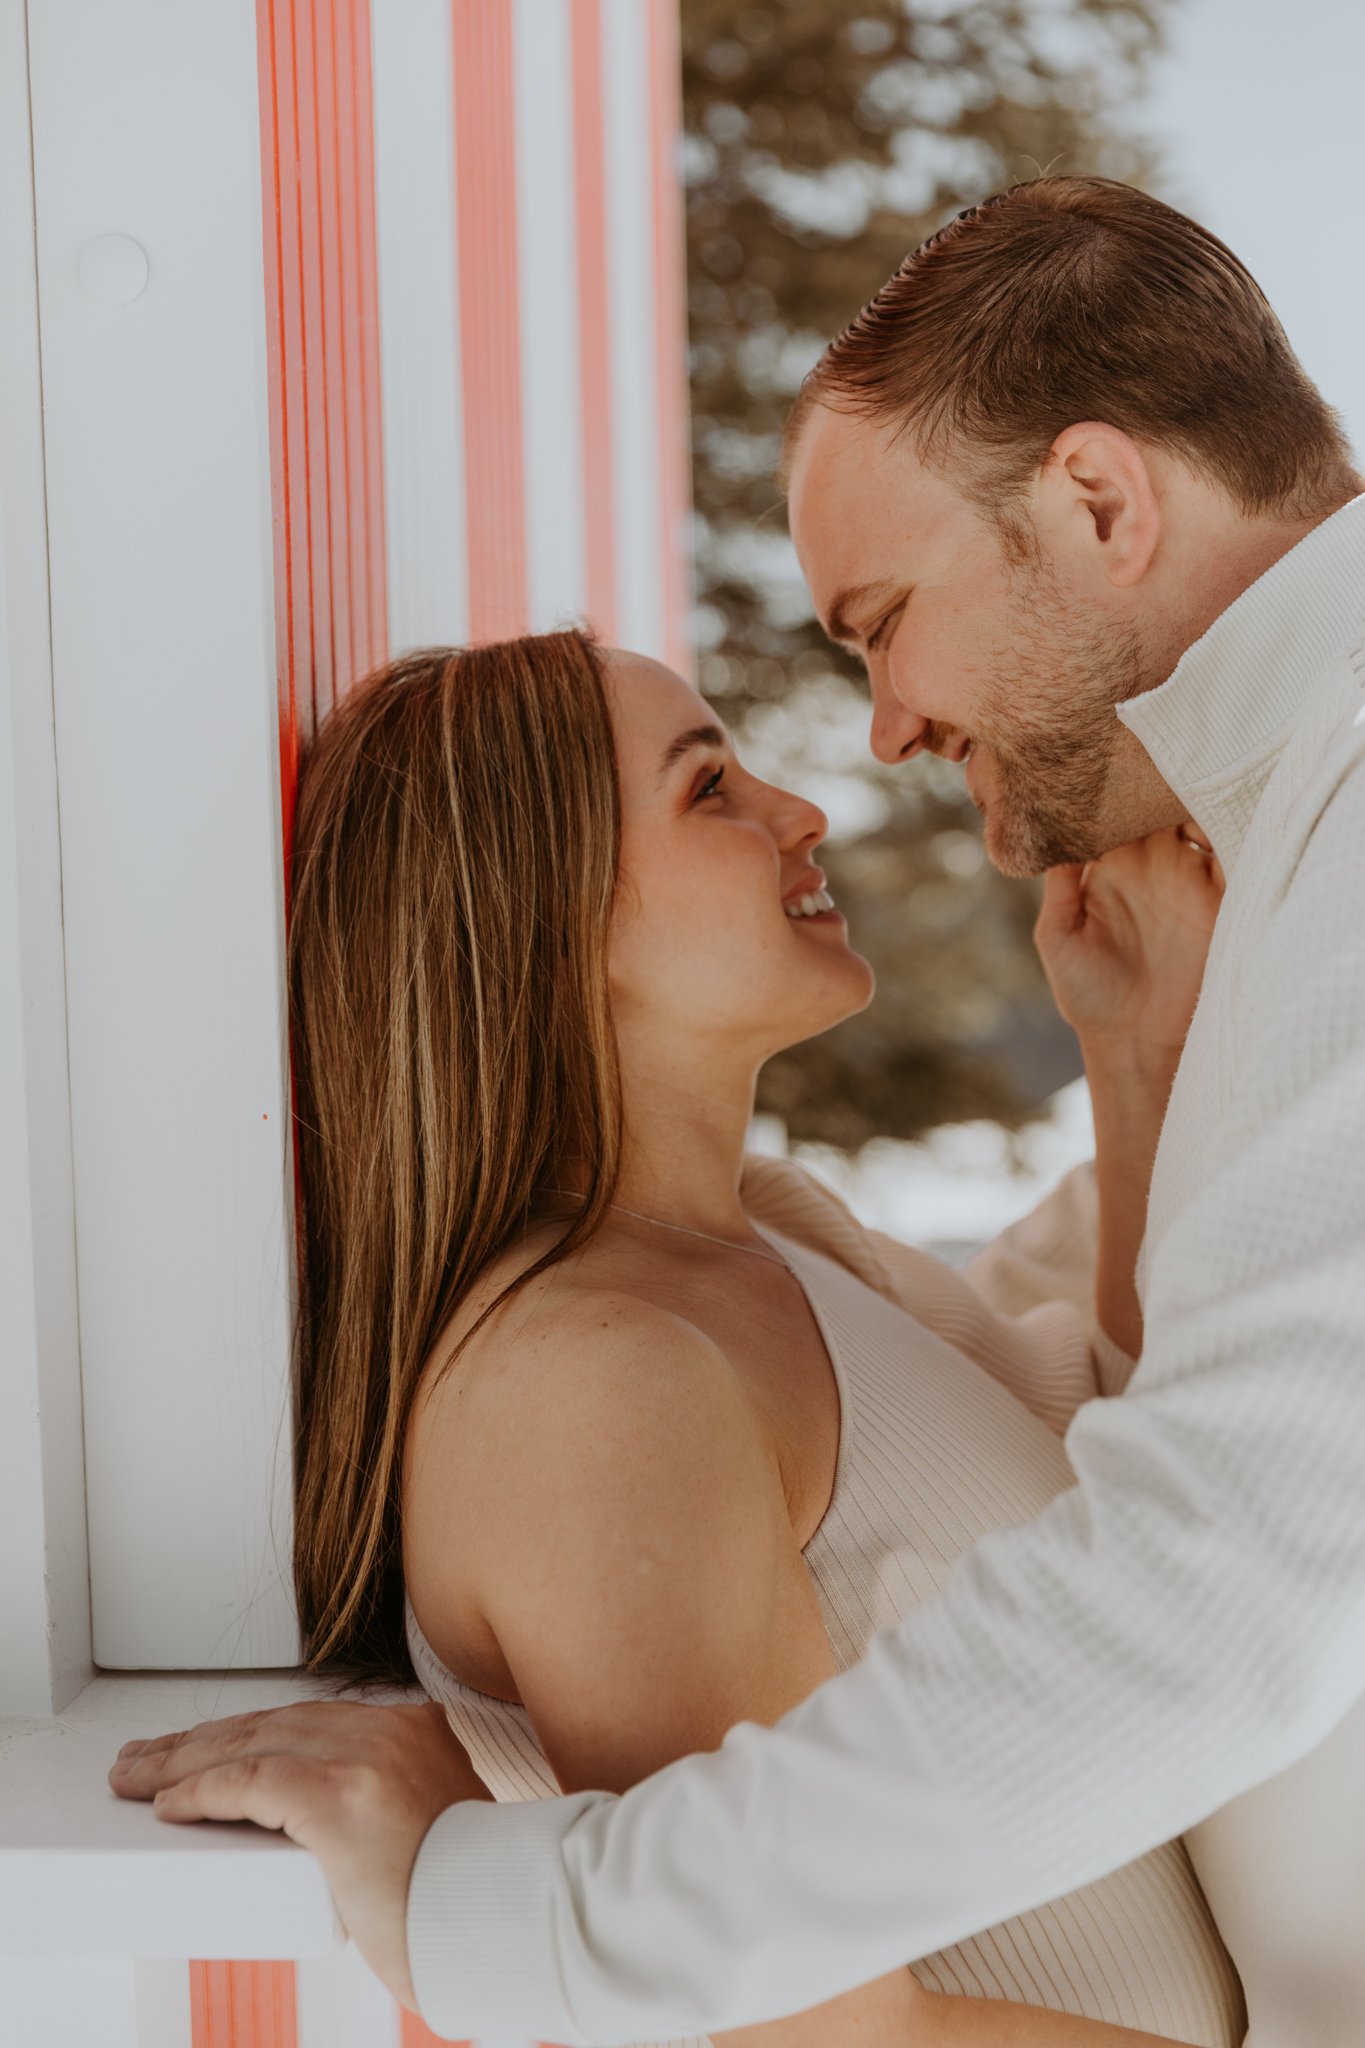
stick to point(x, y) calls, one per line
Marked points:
point(711, 786)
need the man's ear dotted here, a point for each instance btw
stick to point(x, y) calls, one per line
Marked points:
point(1097, 487)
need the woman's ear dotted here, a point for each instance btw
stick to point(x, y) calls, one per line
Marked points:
point(1097, 489)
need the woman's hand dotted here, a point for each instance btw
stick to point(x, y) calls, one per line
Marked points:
point(357, 1785)
point(1123, 942)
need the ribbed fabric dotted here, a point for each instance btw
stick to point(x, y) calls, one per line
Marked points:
point(1183, 1624)
point(516, 1915)
point(933, 1453)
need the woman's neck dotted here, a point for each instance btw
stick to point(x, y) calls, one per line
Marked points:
point(683, 1149)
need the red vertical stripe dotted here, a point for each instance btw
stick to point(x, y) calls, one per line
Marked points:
point(415, 2033)
point(322, 337)
point(274, 70)
point(490, 315)
point(670, 325)
point(594, 348)
point(333, 157)
point(313, 366)
point(369, 559)
point(243, 2005)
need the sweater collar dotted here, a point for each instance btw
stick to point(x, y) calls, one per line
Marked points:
point(1219, 723)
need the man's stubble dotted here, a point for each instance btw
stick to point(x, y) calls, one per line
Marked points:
point(1046, 719)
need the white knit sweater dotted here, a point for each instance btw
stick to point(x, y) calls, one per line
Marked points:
point(1187, 1622)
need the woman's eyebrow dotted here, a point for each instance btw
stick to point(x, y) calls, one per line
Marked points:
point(696, 736)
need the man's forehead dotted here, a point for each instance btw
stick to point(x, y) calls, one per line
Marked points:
point(837, 513)
point(833, 445)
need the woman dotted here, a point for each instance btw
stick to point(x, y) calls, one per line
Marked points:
point(620, 1439)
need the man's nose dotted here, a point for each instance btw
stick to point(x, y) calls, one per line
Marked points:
point(897, 732)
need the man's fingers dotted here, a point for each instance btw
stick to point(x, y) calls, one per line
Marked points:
point(283, 1793)
point(226, 1727)
point(142, 1769)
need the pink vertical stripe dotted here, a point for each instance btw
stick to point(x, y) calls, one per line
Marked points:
point(490, 315)
point(665, 82)
point(243, 2005)
point(594, 349)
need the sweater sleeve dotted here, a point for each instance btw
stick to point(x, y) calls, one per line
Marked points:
point(1024, 1308)
point(1186, 1621)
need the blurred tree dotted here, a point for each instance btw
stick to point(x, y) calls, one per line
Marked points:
point(823, 141)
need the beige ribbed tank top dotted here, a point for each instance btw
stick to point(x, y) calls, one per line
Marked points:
point(934, 1452)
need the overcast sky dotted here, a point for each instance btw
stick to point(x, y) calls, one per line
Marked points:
point(1261, 107)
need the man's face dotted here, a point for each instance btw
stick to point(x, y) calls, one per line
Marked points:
point(999, 656)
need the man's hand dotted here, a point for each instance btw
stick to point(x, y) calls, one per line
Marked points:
point(357, 1785)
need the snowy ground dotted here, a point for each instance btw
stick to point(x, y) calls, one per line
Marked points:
point(954, 1189)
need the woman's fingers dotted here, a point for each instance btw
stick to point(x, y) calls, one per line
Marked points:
point(1063, 901)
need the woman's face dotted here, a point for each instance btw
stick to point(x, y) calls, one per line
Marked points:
point(709, 944)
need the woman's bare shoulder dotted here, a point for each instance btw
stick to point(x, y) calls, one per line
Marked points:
point(583, 1429)
point(572, 1373)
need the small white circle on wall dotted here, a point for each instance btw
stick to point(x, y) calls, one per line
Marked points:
point(114, 269)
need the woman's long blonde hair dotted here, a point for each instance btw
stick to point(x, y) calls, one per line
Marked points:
point(453, 870)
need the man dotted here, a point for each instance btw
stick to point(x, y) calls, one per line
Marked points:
point(1065, 489)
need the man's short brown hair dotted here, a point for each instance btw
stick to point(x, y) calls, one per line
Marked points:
point(1069, 299)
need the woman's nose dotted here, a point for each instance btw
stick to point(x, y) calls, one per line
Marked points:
point(801, 823)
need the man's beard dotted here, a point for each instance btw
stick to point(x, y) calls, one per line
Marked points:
point(1048, 725)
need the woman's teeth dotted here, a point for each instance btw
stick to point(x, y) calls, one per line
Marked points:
point(812, 905)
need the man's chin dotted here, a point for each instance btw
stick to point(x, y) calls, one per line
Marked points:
point(1009, 850)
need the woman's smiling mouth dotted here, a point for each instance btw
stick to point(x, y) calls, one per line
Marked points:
point(817, 904)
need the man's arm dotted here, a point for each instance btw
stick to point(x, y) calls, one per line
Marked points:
point(1186, 1622)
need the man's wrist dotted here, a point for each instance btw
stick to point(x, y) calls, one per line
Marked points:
point(481, 1918)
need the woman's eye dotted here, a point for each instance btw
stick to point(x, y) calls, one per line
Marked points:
point(711, 787)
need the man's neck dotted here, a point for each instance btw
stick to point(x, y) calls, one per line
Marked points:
point(1227, 553)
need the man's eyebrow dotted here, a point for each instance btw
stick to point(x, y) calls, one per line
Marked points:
point(839, 627)
point(696, 736)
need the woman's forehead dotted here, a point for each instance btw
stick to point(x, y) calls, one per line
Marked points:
point(646, 696)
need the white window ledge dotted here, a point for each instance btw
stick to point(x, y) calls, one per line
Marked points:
point(85, 1873)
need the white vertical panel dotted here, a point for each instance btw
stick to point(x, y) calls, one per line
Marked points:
point(158, 483)
point(548, 281)
point(44, 1566)
point(161, 1996)
point(639, 570)
point(342, 2004)
point(69, 2003)
point(419, 327)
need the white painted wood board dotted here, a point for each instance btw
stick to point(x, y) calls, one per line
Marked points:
point(85, 1873)
point(158, 487)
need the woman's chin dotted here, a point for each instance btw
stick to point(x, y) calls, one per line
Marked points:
point(842, 990)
